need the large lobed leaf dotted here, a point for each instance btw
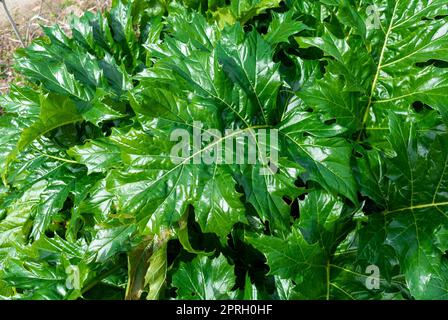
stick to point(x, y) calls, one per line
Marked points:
point(92, 202)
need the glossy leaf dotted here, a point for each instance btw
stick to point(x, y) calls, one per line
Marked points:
point(320, 172)
point(205, 278)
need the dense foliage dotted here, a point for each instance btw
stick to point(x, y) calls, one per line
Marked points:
point(92, 207)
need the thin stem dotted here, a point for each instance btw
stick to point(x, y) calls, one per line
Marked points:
point(54, 157)
point(60, 159)
point(100, 278)
point(13, 24)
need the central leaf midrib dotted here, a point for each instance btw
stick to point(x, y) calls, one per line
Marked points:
point(204, 149)
point(419, 206)
point(378, 70)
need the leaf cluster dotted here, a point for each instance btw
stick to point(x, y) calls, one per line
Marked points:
point(92, 207)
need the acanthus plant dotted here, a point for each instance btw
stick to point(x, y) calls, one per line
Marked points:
point(92, 206)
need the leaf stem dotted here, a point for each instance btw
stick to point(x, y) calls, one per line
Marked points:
point(420, 206)
point(60, 159)
point(100, 278)
point(43, 154)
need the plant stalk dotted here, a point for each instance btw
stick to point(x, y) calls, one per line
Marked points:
point(13, 24)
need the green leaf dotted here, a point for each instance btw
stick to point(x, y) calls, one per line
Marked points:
point(295, 259)
point(282, 27)
point(285, 288)
point(97, 155)
point(156, 274)
point(219, 206)
point(204, 278)
point(418, 209)
point(184, 238)
point(327, 161)
point(43, 282)
point(32, 270)
point(110, 241)
point(250, 65)
point(55, 111)
point(418, 41)
point(251, 292)
point(147, 268)
point(40, 204)
point(320, 172)
point(243, 10)
point(323, 218)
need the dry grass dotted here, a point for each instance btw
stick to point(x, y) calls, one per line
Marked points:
point(29, 20)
